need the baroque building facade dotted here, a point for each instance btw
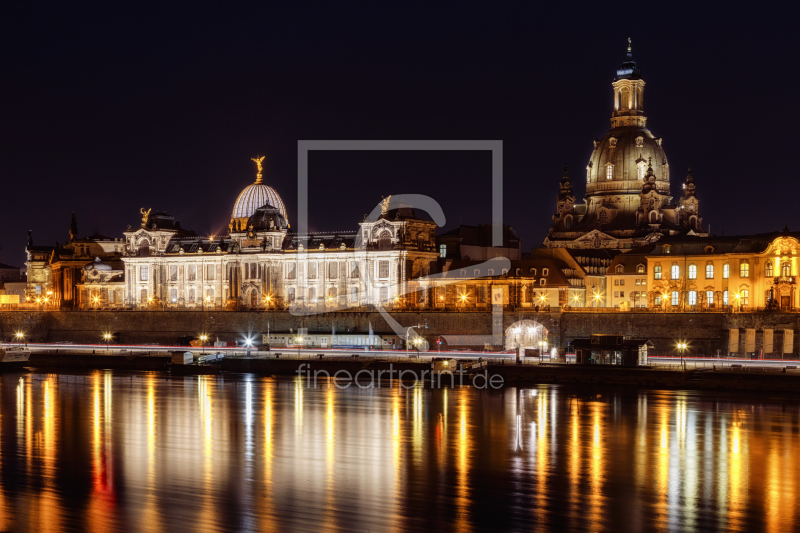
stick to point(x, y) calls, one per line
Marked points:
point(628, 202)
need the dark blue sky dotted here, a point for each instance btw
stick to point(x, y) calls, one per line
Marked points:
point(115, 106)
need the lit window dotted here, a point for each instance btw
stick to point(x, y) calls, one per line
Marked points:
point(333, 270)
point(312, 294)
point(442, 250)
point(786, 270)
point(622, 282)
point(173, 295)
point(675, 298)
point(675, 272)
point(724, 297)
point(191, 295)
point(641, 170)
point(384, 293)
point(211, 272)
point(568, 223)
point(192, 272)
point(609, 171)
point(640, 269)
point(692, 297)
point(312, 271)
point(667, 249)
point(692, 271)
point(144, 273)
point(709, 271)
point(768, 270)
point(657, 300)
point(657, 272)
point(744, 269)
point(745, 297)
point(291, 273)
point(383, 269)
point(173, 272)
point(542, 281)
point(710, 297)
point(726, 271)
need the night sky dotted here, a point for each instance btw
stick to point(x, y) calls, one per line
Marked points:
point(111, 107)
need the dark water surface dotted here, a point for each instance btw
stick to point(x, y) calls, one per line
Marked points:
point(141, 452)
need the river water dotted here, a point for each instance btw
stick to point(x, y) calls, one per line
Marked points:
point(107, 451)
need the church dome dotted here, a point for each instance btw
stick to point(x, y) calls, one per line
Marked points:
point(256, 195)
point(620, 160)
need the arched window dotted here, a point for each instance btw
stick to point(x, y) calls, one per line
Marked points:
point(640, 269)
point(692, 271)
point(533, 272)
point(726, 271)
point(675, 272)
point(768, 270)
point(609, 171)
point(675, 298)
point(786, 269)
point(710, 297)
point(657, 272)
point(568, 222)
point(603, 218)
point(709, 271)
point(641, 170)
point(745, 297)
point(312, 294)
point(692, 297)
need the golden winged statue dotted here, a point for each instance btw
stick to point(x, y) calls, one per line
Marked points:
point(258, 160)
point(145, 215)
point(385, 204)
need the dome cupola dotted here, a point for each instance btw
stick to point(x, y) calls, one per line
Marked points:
point(254, 196)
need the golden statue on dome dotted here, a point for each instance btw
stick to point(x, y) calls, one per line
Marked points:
point(385, 204)
point(258, 160)
point(145, 215)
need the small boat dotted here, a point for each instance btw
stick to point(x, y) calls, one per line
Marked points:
point(14, 358)
point(15, 354)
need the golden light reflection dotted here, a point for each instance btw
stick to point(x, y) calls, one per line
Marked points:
point(574, 462)
point(151, 518)
point(542, 454)
point(597, 468)
point(463, 448)
point(268, 523)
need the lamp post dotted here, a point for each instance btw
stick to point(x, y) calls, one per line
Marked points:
point(682, 347)
point(408, 330)
point(268, 299)
point(203, 339)
point(20, 336)
point(107, 336)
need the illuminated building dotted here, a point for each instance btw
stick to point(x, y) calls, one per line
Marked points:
point(628, 201)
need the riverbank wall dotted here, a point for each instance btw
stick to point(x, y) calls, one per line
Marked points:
point(706, 333)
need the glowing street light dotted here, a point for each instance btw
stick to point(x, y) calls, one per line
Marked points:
point(203, 339)
point(107, 336)
point(682, 348)
point(20, 336)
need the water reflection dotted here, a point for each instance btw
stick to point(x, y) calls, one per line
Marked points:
point(140, 452)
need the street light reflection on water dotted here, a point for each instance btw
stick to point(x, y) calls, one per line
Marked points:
point(141, 452)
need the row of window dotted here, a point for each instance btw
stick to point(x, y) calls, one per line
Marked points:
point(191, 272)
point(743, 298)
point(333, 270)
point(675, 271)
point(638, 281)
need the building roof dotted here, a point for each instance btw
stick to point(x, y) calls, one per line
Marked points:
point(735, 244)
point(466, 269)
point(329, 241)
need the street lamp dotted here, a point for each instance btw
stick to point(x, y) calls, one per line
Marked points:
point(107, 336)
point(203, 339)
point(408, 330)
point(596, 299)
point(20, 336)
point(682, 347)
